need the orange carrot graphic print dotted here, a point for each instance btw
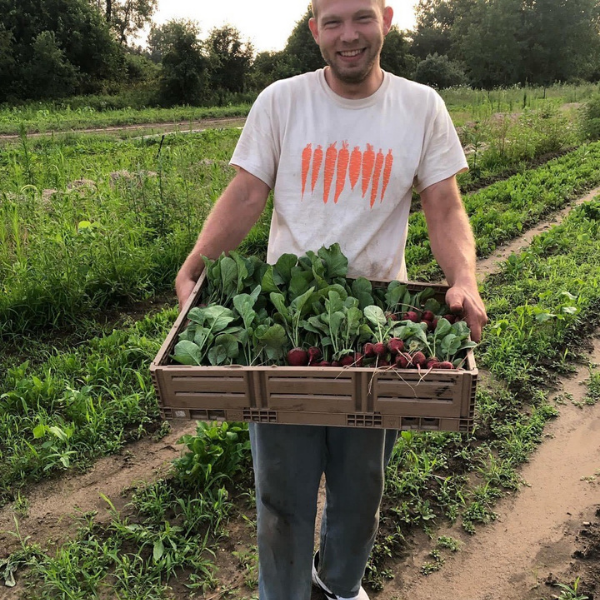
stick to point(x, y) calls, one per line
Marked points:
point(316, 166)
point(368, 161)
point(330, 157)
point(387, 172)
point(376, 175)
point(355, 162)
point(306, 156)
point(342, 169)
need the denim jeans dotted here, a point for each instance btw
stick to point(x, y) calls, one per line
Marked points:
point(288, 463)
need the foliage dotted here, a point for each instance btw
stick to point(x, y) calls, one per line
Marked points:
point(126, 17)
point(590, 118)
point(439, 72)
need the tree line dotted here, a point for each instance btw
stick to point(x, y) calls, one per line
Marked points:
point(51, 49)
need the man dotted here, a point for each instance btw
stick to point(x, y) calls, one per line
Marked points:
point(342, 149)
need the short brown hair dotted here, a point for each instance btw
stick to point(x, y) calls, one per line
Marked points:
point(314, 12)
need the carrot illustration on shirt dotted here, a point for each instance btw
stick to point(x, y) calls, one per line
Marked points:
point(355, 162)
point(368, 161)
point(330, 158)
point(342, 169)
point(376, 176)
point(306, 156)
point(316, 166)
point(387, 172)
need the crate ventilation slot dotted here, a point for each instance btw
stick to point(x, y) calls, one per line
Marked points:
point(358, 420)
point(208, 415)
point(259, 415)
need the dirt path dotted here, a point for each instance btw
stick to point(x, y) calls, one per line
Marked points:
point(54, 505)
point(172, 127)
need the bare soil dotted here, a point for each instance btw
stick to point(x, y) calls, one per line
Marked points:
point(547, 533)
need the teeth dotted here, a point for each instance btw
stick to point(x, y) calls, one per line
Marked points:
point(351, 53)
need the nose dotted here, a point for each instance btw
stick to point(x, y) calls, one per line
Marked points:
point(349, 33)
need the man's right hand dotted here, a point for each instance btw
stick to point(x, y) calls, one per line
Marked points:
point(184, 286)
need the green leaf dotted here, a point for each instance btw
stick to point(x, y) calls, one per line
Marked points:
point(299, 283)
point(395, 291)
point(158, 550)
point(375, 315)
point(196, 315)
point(268, 282)
point(284, 266)
point(187, 353)
point(335, 262)
point(39, 431)
point(361, 289)
point(229, 275)
point(242, 270)
point(217, 355)
point(218, 317)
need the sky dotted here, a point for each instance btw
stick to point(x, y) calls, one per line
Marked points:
point(267, 23)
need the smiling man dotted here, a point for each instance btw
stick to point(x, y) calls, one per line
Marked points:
point(379, 137)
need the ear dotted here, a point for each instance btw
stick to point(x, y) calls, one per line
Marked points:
point(388, 15)
point(314, 29)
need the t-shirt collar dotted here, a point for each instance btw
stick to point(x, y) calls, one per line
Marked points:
point(350, 102)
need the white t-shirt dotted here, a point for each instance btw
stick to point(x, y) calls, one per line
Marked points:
point(343, 170)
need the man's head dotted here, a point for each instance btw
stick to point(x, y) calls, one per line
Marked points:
point(350, 34)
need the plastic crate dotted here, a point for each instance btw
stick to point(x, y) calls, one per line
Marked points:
point(433, 400)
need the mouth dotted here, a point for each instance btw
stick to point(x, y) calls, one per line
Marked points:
point(351, 54)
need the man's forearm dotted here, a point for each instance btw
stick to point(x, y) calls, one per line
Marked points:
point(228, 224)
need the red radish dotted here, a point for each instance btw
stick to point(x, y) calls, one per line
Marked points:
point(431, 362)
point(336, 363)
point(411, 315)
point(347, 361)
point(323, 363)
point(358, 359)
point(314, 354)
point(297, 357)
point(383, 363)
point(402, 360)
point(395, 345)
point(431, 325)
point(451, 318)
point(446, 365)
point(391, 316)
point(379, 349)
point(368, 350)
point(418, 358)
point(427, 316)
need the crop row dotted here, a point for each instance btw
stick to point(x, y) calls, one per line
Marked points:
point(540, 312)
point(503, 210)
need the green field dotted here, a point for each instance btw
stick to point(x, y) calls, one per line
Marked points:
point(93, 229)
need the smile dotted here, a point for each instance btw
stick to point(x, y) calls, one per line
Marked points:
point(351, 53)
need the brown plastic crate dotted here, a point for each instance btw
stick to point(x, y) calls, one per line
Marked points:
point(436, 400)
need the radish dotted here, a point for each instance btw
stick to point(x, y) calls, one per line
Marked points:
point(383, 363)
point(379, 349)
point(368, 350)
point(427, 316)
point(395, 345)
point(358, 359)
point(419, 359)
point(451, 318)
point(445, 365)
point(297, 357)
point(391, 316)
point(336, 363)
point(347, 361)
point(314, 354)
point(432, 363)
point(402, 360)
point(411, 315)
point(431, 325)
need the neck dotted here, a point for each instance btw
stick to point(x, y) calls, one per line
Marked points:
point(355, 91)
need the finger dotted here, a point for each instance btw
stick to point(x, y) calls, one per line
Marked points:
point(455, 301)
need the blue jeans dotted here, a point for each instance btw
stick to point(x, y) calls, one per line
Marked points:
point(288, 463)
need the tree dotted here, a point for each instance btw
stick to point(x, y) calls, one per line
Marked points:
point(439, 72)
point(269, 67)
point(81, 38)
point(126, 17)
point(230, 59)
point(49, 73)
point(395, 54)
point(185, 77)
point(301, 50)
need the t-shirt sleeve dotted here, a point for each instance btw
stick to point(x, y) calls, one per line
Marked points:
point(257, 150)
point(442, 154)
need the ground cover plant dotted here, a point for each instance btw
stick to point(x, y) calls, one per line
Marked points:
point(540, 315)
point(40, 117)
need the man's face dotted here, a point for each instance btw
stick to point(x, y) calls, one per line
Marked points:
point(350, 34)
